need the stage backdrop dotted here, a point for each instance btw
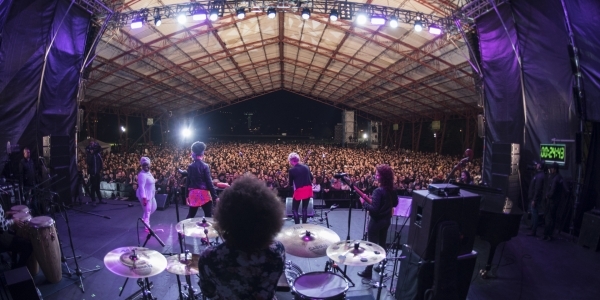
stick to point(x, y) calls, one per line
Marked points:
point(28, 28)
point(528, 78)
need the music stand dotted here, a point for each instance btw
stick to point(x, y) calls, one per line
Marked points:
point(401, 210)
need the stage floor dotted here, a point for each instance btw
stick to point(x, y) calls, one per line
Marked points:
point(525, 267)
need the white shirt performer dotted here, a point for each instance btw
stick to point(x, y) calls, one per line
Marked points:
point(146, 190)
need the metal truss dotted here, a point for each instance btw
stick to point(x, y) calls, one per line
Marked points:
point(94, 7)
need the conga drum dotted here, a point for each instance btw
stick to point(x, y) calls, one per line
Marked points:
point(32, 264)
point(19, 209)
point(46, 248)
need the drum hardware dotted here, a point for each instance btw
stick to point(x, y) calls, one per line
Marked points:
point(196, 227)
point(151, 233)
point(379, 285)
point(185, 264)
point(346, 180)
point(320, 285)
point(307, 240)
point(332, 267)
point(356, 253)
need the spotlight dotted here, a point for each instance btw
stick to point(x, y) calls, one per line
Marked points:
point(186, 132)
point(361, 18)
point(377, 20)
point(271, 12)
point(333, 15)
point(157, 21)
point(214, 14)
point(365, 136)
point(122, 129)
point(199, 15)
point(434, 29)
point(305, 13)
point(136, 23)
point(181, 19)
point(418, 25)
point(241, 13)
point(394, 22)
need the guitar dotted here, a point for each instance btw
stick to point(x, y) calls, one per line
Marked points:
point(366, 198)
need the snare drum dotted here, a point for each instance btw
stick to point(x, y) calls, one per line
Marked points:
point(44, 240)
point(320, 285)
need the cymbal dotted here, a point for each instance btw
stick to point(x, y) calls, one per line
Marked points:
point(195, 227)
point(183, 264)
point(307, 240)
point(356, 253)
point(146, 262)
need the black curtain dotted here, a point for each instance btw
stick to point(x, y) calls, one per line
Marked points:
point(29, 28)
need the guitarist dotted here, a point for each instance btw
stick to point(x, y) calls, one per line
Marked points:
point(380, 207)
point(301, 180)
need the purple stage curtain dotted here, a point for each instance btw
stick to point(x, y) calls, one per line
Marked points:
point(27, 28)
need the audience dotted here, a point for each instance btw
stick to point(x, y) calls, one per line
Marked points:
point(228, 161)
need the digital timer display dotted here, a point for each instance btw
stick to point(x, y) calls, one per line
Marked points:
point(553, 153)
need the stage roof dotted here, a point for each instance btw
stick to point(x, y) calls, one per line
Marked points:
point(384, 73)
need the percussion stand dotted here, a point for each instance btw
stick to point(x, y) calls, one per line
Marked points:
point(330, 264)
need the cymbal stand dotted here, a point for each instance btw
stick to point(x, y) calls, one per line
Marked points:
point(331, 266)
point(379, 285)
point(352, 193)
point(144, 284)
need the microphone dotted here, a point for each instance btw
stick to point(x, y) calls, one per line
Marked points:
point(152, 233)
point(340, 175)
point(333, 207)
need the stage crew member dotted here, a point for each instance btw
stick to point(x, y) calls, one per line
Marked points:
point(249, 263)
point(94, 167)
point(301, 179)
point(380, 207)
point(200, 186)
point(146, 189)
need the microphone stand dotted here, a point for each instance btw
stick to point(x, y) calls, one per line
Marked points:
point(351, 185)
point(460, 164)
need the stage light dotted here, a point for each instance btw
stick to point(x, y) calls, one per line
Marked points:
point(241, 13)
point(181, 19)
point(136, 23)
point(361, 18)
point(377, 20)
point(365, 136)
point(122, 129)
point(305, 13)
point(271, 12)
point(434, 29)
point(333, 15)
point(186, 132)
point(418, 25)
point(394, 22)
point(214, 14)
point(157, 21)
point(199, 15)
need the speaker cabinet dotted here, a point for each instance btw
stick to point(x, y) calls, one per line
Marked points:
point(161, 201)
point(62, 184)
point(396, 228)
point(589, 236)
point(288, 207)
point(416, 276)
point(20, 285)
point(429, 210)
point(505, 158)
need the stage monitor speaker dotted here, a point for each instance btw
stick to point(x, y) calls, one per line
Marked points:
point(161, 201)
point(429, 210)
point(288, 207)
point(589, 236)
point(20, 285)
point(416, 276)
point(396, 228)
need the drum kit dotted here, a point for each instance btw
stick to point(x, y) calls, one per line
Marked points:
point(312, 241)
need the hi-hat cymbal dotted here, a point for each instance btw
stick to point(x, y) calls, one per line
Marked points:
point(356, 253)
point(183, 264)
point(195, 228)
point(135, 262)
point(307, 240)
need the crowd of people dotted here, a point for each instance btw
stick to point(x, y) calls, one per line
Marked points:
point(269, 163)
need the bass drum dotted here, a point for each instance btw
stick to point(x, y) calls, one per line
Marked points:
point(320, 285)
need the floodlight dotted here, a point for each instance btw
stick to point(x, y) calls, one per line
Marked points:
point(271, 12)
point(241, 13)
point(199, 15)
point(377, 20)
point(181, 19)
point(333, 15)
point(136, 23)
point(418, 25)
point(186, 132)
point(305, 13)
point(434, 29)
point(157, 21)
point(393, 22)
point(214, 14)
point(365, 136)
point(361, 18)
point(122, 129)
